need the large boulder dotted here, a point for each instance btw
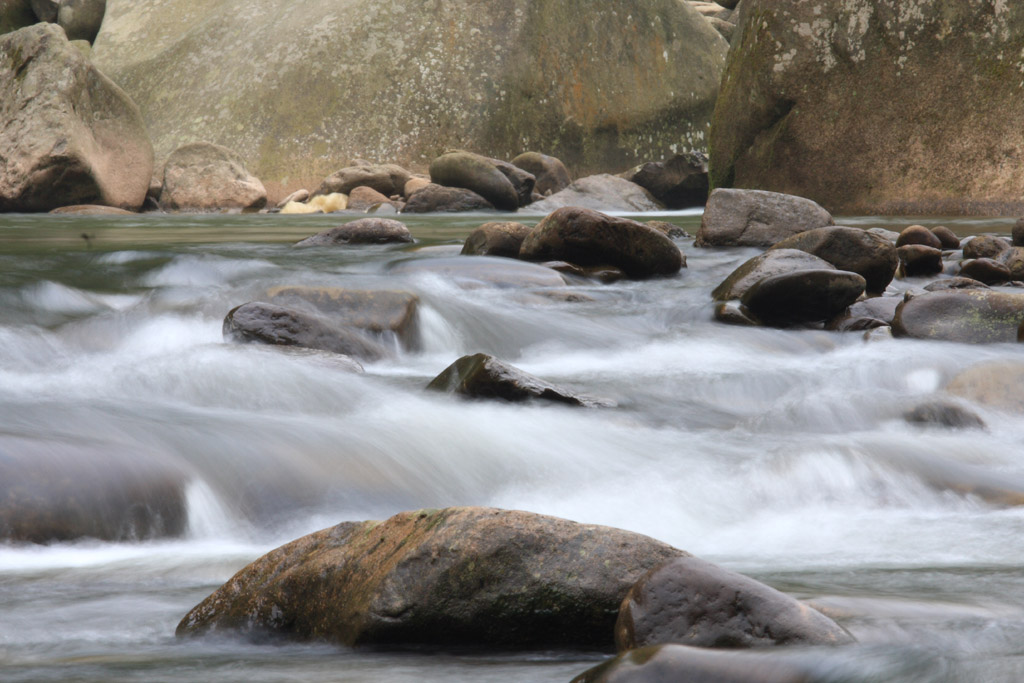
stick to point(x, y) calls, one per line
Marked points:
point(405, 81)
point(590, 238)
point(484, 376)
point(202, 176)
point(974, 316)
point(814, 102)
point(693, 602)
point(459, 576)
point(803, 296)
point(54, 490)
point(602, 192)
point(852, 249)
point(69, 134)
point(752, 218)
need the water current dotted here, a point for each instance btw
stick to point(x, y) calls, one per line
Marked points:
point(780, 454)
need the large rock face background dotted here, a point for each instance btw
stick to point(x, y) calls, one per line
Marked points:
point(300, 89)
point(876, 106)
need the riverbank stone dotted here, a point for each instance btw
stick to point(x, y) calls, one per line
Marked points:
point(550, 174)
point(265, 323)
point(973, 316)
point(679, 664)
point(392, 315)
point(206, 177)
point(496, 239)
point(851, 249)
point(465, 577)
point(602, 192)
point(69, 134)
point(754, 218)
point(478, 174)
point(434, 198)
point(484, 376)
point(693, 602)
point(361, 231)
point(803, 296)
point(590, 238)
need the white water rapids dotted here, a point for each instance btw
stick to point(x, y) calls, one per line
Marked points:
point(781, 454)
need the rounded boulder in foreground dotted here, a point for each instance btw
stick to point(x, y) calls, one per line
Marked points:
point(804, 296)
point(590, 238)
point(362, 231)
point(852, 249)
point(693, 602)
point(467, 577)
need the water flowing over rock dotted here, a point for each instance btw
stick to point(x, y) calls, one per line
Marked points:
point(460, 576)
point(69, 134)
point(752, 218)
point(293, 87)
point(205, 177)
point(693, 602)
point(814, 102)
point(590, 238)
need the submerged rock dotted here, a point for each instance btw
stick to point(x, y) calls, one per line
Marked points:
point(69, 134)
point(944, 414)
point(496, 239)
point(470, 272)
point(589, 238)
point(693, 602)
point(53, 491)
point(484, 376)
point(91, 210)
point(602, 192)
point(434, 198)
point(205, 177)
point(385, 313)
point(264, 323)
point(752, 218)
point(465, 577)
point(550, 174)
point(361, 231)
point(850, 249)
point(968, 316)
point(682, 664)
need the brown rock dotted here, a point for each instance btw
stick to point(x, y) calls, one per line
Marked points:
point(998, 384)
point(919, 260)
point(947, 237)
point(1017, 234)
point(414, 185)
point(602, 192)
point(361, 231)
point(364, 198)
point(550, 174)
point(459, 576)
point(986, 270)
point(1013, 259)
point(850, 249)
point(69, 135)
point(677, 183)
point(803, 296)
point(435, 198)
point(954, 283)
point(496, 239)
point(771, 262)
point(587, 238)
point(752, 218)
point(693, 602)
point(968, 316)
point(207, 177)
point(476, 173)
point(985, 246)
point(944, 414)
point(918, 234)
point(388, 179)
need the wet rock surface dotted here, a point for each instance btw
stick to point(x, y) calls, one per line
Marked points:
point(944, 414)
point(467, 577)
point(496, 239)
point(771, 262)
point(361, 231)
point(852, 249)
point(471, 272)
point(753, 218)
point(966, 316)
point(590, 238)
point(804, 296)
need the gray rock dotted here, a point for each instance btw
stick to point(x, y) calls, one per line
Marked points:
point(264, 323)
point(967, 316)
point(549, 173)
point(207, 177)
point(46, 10)
point(484, 376)
point(523, 182)
point(602, 192)
point(465, 577)
point(850, 249)
point(361, 231)
point(496, 239)
point(69, 135)
point(15, 14)
point(954, 283)
point(804, 296)
point(693, 602)
point(434, 198)
point(388, 179)
point(401, 82)
point(81, 19)
point(771, 262)
point(944, 414)
point(752, 218)
point(591, 238)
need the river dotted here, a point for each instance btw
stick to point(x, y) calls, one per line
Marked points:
point(780, 454)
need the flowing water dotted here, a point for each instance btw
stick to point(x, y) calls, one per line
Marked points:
point(781, 454)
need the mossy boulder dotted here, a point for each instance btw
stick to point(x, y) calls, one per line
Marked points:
point(69, 134)
point(814, 102)
point(973, 316)
point(294, 87)
point(479, 174)
point(465, 577)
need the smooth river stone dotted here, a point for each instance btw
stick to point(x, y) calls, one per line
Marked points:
point(968, 316)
